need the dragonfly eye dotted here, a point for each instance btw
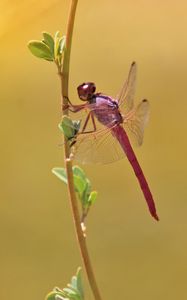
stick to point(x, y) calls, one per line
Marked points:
point(86, 91)
point(93, 88)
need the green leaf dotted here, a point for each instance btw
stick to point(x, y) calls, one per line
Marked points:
point(59, 297)
point(49, 41)
point(57, 35)
point(79, 184)
point(86, 193)
point(67, 127)
point(70, 291)
point(61, 45)
point(56, 44)
point(53, 295)
point(73, 283)
point(40, 50)
point(92, 198)
point(88, 186)
point(60, 173)
point(57, 289)
point(82, 186)
point(73, 291)
point(79, 283)
point(79, 172)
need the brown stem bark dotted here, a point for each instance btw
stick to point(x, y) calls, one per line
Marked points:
point(64, 76)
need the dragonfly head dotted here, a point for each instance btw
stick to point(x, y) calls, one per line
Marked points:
point(86, 91)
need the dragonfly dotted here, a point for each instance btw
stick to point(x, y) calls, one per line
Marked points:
point(108, 129)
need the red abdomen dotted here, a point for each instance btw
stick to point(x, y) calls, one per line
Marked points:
point(123, 139)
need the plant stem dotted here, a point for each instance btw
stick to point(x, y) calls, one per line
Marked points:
point(64, 76)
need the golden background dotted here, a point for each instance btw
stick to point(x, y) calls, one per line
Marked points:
point(134, 257)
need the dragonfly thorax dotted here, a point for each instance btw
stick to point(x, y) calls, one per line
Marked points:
point(107, 110)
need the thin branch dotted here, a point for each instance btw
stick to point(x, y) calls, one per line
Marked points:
point(64, 76)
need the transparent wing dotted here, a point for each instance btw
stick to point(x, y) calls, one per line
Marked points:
point(135, 122)
point(126, 95)
point(96, 144)
point(99, 147)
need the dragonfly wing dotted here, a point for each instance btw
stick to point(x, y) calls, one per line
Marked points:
point(100, 147)
point(126, 95)
point(94, 142)
point(135, 122)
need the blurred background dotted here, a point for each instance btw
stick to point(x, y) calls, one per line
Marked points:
point(134, 257)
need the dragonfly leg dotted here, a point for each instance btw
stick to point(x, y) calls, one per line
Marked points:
point(86, 123)
point(65, 106)
point(84, 127)
point(93, 122)
point(73, 108)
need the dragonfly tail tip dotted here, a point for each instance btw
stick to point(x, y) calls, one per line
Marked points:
point(155, 216)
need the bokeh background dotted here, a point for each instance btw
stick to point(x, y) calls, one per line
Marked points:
point(134, 257)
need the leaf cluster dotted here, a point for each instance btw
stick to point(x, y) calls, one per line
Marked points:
point(49, 48)
point(73, 291)
point(69, 127)
point(82, 186)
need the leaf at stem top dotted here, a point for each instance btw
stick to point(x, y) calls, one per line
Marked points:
point(40, 50)
point(49, 41)
point(56, 46)
point(61, 46)
point(57, 35)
